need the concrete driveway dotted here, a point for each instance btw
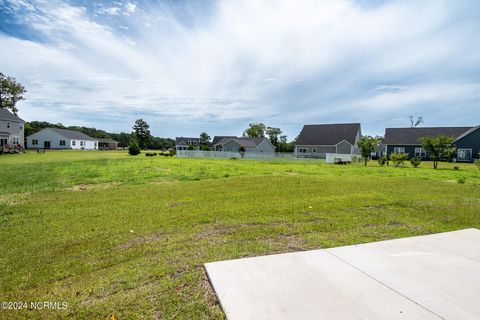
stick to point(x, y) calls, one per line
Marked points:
point(428, 277)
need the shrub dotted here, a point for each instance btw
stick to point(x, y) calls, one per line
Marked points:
point(190, 147)
point(133, 149)
point(461, 180)
point(415, 161)
point(382, 161)
point(398, 158)
point(477, 162)
point(456, 168)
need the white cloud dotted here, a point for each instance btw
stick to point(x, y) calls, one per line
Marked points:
point(284, 62)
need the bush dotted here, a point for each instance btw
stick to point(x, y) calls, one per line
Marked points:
point(477, 162)
point(382, 161)
point(133, 149)
point(415, 161)
point(461, 180)
point(456, 168)
point(398, 158)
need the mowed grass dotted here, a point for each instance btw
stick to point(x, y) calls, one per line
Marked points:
point(113, 234)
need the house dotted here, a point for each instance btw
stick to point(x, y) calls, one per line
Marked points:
point(11, 131)
point(316, 140)
point(216, 139)
point(233, 144)
point(409, 141)
point(54, 138)
point(182, 143)
point(107, 144)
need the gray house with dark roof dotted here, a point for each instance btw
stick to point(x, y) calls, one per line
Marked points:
point(233, 144)
point(11, 130)
point(409, 141)
point(182, 143)
point(316, 140)
point(55, 138)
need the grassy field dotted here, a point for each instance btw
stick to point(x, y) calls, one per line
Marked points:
point(113, 234)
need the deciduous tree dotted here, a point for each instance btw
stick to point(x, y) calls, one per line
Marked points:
point(438, 148)
point(367, 145)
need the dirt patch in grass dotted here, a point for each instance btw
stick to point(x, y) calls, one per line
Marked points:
point(141, 240)
point(100, 186)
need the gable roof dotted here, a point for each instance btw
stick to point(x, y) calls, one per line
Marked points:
point(216, 139)
point(413, 136)
point(243, 141)
point(8, 115)
point(71, 134)
point(183, 140)
point(466, 133)
point(328, 134)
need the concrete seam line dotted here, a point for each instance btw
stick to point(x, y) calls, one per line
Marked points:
point(384, 284)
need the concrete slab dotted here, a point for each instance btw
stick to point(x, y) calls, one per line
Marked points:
point(429, 277)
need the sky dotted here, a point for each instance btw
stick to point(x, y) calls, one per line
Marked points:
point(192, 66)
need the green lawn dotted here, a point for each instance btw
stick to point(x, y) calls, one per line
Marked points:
point(114, 234)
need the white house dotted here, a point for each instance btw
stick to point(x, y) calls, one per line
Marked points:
point(54, 138)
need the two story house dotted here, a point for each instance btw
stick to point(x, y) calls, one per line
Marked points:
point(11, 130)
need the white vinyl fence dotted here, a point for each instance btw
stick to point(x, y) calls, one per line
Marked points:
point(236, 155)
point(332, 157)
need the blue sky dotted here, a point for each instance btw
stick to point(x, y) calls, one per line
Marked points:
point(215, 66)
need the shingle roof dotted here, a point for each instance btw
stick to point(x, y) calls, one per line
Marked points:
point(72, 135)
point(328, 134)
point(105, 140)
point(243, 141)
point(466, 133)
point(7, 115)
point(179, 140)
point(216, 139)
point(413, 136)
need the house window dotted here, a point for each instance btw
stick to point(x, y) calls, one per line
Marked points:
point(314, 150)
point(81, 143)
point(8, 124)
point(302, 150)
point(15, 140)
point(73, 142)
point(189, 142)
point(20, 126)
point(34, 142)
point(194, 143)
point(399, 150)
point(464, 155)
point(420, 152)
point(95, 144)
point(62, 142)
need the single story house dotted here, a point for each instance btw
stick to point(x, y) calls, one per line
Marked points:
point(54, 138)
point(409, 141)
point(316, 140)
point(182, 143)
point(233, 144)
point(11, 130)
point(107, 144)
point(216, 139)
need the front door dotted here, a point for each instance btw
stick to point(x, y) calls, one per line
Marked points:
point(46, 144)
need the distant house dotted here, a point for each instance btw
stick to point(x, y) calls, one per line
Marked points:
point(216, 139)
point(316, 140)
point(54, 138)
point(107, 144)
point(233, 144)
point(11, 130)
point(182, 143)
point(409, 141)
